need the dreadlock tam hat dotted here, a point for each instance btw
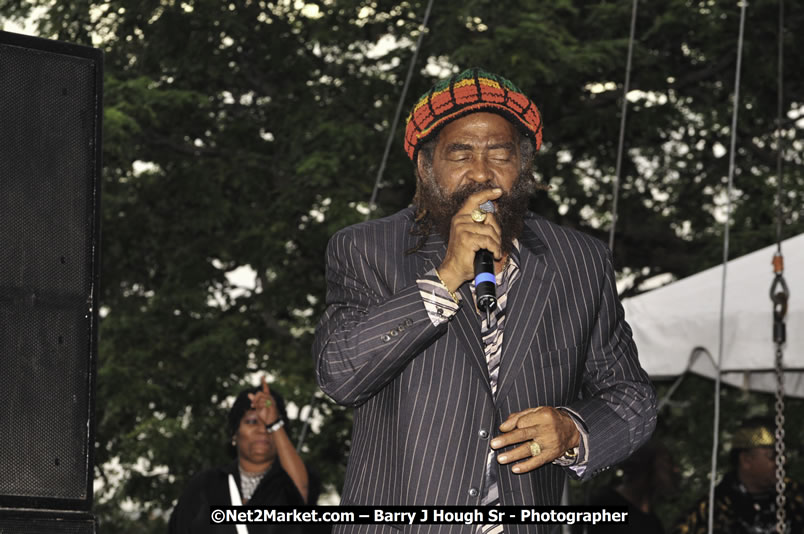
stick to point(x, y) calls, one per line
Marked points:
point(752, 434)
point(470, 91)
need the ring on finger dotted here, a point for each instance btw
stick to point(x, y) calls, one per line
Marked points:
point(535, 448)
point(478, 215)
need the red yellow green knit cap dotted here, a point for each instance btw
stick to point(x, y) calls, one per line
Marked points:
point(470, 91)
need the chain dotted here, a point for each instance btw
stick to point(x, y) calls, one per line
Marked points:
point(779, 294)
point(781, 499)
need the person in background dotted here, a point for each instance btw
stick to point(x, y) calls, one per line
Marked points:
point(745, 500)
point(267, 469)
point(650, 474)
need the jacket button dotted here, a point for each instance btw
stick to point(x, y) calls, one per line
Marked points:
point(483, 434)
point(473, 492)
point(386, 338)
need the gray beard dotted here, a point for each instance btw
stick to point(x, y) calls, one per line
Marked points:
point(511, 207)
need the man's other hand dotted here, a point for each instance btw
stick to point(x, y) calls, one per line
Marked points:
point(553, 431)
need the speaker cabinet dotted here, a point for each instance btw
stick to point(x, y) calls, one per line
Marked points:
point(45, 523)
point(50, 172)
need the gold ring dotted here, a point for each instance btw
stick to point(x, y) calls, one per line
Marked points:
point(535, 448)
point(268, 403)
point(478, 215)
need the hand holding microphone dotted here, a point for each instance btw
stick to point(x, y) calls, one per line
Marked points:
point(474, 243)
point(485, 281)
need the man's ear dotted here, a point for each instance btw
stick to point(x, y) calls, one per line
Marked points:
point(419, 165)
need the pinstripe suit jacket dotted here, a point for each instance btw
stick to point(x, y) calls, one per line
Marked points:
point(423, 408)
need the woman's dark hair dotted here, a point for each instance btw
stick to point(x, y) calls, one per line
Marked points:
point(242, 404)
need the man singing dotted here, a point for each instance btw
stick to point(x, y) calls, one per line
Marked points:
point(457, 405)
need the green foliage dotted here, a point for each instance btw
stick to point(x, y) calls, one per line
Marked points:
point(246, 133)
point(685, 428)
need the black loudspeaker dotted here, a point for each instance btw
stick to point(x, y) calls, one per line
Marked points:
point(45, 523)
point(50, 173)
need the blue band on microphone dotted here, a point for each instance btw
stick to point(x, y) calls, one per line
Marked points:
point(485, 277)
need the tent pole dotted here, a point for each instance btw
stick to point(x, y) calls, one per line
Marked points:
point(696, 352)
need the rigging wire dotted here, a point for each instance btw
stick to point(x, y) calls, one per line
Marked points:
point(732, 149)
point(624, 109)
point(779, 295)
point(779, 116)
point(381, 170)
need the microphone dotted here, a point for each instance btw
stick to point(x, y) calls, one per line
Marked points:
point(485, 282)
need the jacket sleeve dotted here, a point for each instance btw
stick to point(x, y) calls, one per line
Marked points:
point(618, 401)
point(367, 334)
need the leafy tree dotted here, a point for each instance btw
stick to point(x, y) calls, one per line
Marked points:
point(685, 428)
point(245, 133)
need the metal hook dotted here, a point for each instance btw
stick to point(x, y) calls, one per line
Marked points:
point(779, 280)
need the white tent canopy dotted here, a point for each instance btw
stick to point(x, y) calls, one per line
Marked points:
point(673, 323)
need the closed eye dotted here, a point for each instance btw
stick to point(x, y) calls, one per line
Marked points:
point(458, 151)
point(502, 152)
point(500, 155)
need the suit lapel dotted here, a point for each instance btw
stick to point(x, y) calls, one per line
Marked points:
point(527, 301)
point(465, 325)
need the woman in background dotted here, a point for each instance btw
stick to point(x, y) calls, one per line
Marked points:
point(267, 472)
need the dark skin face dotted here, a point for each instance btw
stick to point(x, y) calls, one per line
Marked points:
point(256, 450)
point(481, 148)
point(457, 172)
point(757, 469)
